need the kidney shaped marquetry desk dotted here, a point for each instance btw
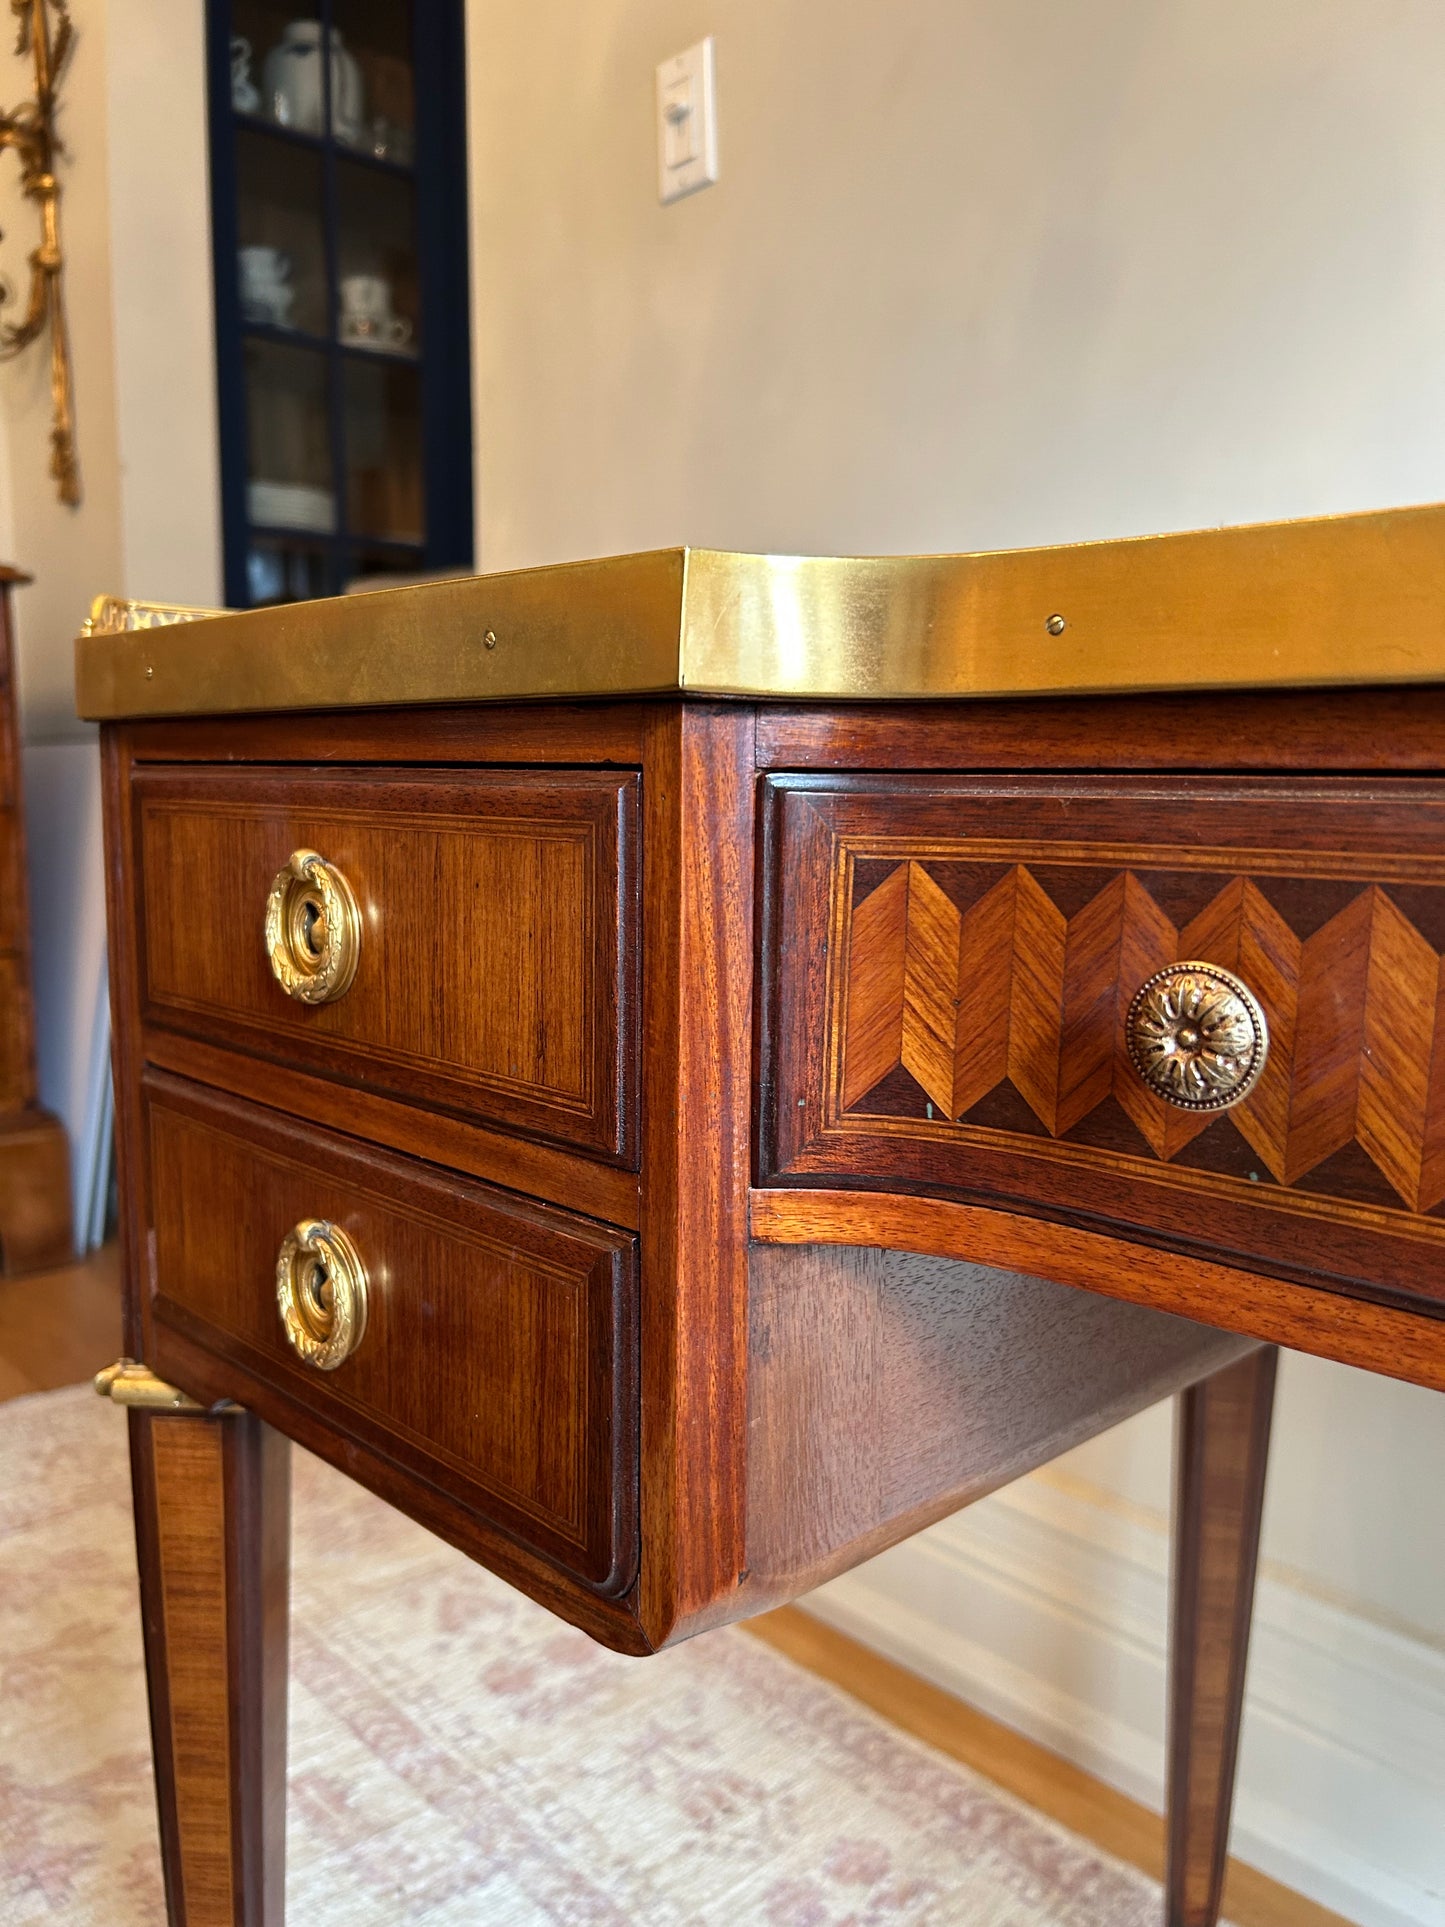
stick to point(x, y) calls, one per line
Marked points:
point(679, 1071)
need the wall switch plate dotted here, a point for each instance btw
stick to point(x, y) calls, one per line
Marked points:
point(686, 123)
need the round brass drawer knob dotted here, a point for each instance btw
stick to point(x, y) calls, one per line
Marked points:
point(321, 1293)
point(313, 929)
point(1197, 1036)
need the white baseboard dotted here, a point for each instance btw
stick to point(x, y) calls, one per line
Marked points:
point(1046, 1607)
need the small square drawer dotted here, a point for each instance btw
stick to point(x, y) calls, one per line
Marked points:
point(1206, 1012)
point(465, 940)
point(484, 1344)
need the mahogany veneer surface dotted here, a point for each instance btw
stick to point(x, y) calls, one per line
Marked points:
point(887, 1389)
point(213, 1544)
point(498, 952)
point(499, 1357)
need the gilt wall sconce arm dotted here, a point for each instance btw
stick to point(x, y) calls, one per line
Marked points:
point(46, 36)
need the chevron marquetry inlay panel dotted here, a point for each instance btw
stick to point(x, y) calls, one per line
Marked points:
point(1012, 991)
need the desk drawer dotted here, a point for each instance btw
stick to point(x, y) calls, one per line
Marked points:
point(495, 956)
point(952, 963)
point(496, 1354)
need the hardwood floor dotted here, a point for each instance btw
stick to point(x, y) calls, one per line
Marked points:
point(1029, 1771)
point(59, 1327)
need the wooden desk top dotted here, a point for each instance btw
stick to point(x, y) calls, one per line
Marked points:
point(1354, 599)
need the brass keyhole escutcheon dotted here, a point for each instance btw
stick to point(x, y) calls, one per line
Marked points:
point(317, 1301)
point(1197, 1036)
point(313, 929)
point(321, 1293)
point(309, 926)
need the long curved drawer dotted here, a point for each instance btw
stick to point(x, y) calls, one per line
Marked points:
point(962, 973)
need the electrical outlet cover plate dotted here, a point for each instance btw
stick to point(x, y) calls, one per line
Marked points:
point(686, 123)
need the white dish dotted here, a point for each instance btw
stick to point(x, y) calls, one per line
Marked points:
point(389, 336)
point(399, 351)
point(291, 505)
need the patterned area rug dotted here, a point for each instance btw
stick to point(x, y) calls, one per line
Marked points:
point(460, 1757)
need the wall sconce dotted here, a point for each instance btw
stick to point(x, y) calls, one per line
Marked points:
point(47, 36)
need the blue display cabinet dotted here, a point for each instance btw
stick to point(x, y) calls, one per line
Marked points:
point(339, 218)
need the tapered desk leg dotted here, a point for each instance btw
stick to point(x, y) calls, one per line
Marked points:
point(212, 1517)
point(1222, 1446)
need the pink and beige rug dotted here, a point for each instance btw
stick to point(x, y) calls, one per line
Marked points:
point(461, 1759)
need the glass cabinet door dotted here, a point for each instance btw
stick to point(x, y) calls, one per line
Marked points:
point(340, 235)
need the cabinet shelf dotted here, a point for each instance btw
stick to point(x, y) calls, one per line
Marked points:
point(283, 337)
point(321, 144)
point(324, 344)
point(328, 539)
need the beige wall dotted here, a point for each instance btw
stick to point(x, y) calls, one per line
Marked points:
point(974, 273)
point(135, 227)
point(163, 319)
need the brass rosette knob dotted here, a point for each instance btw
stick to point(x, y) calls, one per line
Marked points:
point(313, 929)
point(1197, 1036)
point(321, 1293)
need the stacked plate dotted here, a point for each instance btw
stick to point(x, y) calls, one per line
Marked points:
point(291, 505)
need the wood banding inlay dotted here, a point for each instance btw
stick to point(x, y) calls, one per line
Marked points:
point(189, 1481)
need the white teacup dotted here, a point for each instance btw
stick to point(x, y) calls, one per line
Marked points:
point(366, 316)
point(363, 332)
